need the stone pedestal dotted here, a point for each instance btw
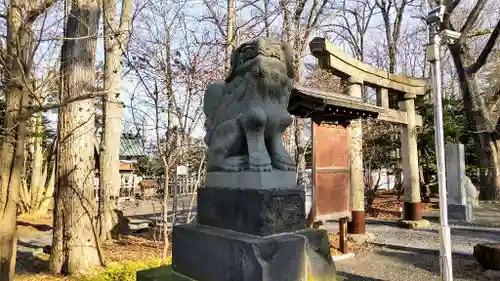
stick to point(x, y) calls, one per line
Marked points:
point(251, 235)
point(253, 211)
point(207, 253)
point(460, 212)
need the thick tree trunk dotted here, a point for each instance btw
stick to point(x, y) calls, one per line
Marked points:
point(115, 39)
point(80, 248)
point(13, 140)
point(486, 142)
point(8, 242)
point(490, 166)
point(11, 171)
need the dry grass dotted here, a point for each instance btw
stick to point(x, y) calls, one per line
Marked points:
point(386, 206)
point(132, 248)
point(334, 239)
point(129, 248)
point(43, 277)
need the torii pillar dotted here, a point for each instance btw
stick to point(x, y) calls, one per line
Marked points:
point(357, 183)
point(409, 154)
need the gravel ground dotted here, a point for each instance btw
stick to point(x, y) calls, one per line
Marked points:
point(382, 264)
point(410, 255)
point(463, 238)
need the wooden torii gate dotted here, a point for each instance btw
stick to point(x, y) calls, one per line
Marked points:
point(338, 174)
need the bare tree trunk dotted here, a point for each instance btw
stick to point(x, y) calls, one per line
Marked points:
point(266, 18)
point(12, 169)
point(35, 191)
point(13, 141)
point(80, 248)
point(115, 40)
point(48, 196)
point(230, 37)
point(168, 149)
point(486, 139)
point(56, 260)
point(38, 170)
point(166, 243)
point(392, 27)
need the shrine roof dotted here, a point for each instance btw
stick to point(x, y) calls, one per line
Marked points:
point(316, 104)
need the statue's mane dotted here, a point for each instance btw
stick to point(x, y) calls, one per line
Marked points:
point(287, 54)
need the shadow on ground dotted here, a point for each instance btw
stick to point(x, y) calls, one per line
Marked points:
point(354, 277)
point(464, 267)
point(39, 227)
point(26, 263)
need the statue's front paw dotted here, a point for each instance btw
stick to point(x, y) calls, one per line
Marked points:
point(267, 168)
point(259, 163)
point(284, 167)
point(283, 162)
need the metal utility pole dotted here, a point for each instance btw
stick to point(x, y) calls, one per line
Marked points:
point(434, 20)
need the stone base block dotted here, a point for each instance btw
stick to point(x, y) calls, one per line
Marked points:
point(460, 212)
point(253, 211)
point(320, 265)
point(205, 253)
point(488, 255)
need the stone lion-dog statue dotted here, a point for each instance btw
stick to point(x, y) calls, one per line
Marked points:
point(246, 114)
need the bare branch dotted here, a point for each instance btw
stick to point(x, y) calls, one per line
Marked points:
point(472, 18)
point(32, 110)
point(488, 48)
point(36, 12)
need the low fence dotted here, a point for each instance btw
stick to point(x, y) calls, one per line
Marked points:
point(182, 186)
point(185, 185)
point(152, 186)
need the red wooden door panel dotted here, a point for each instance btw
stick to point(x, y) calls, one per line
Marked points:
point(331, 171)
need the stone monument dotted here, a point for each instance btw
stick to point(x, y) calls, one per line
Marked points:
point(251, 222)
point(458, 185)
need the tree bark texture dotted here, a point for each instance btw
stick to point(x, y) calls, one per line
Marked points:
point(486, 141)
point(166, 242)
point(230, 36)
point(13, 133)
point(480, 113)
point(115, 40)
point(78, 251)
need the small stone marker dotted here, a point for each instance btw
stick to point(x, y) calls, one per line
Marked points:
point(459, 207)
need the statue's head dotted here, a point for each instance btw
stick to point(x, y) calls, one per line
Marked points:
point(262, 52)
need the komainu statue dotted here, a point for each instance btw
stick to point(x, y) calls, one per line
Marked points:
point(247, 114)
